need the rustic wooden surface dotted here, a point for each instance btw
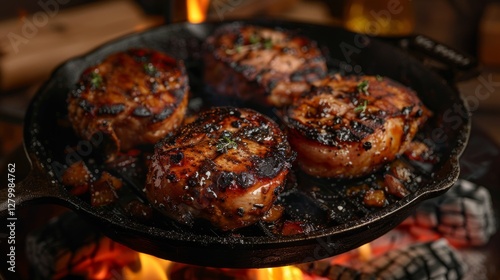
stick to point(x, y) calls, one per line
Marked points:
point(68, 33)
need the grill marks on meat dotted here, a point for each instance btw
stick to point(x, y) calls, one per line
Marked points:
point(226, 167)
point(266, 66)
point(351, 126)
point(133, 97)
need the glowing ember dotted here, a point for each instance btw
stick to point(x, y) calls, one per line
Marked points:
point(109, 259)
point(197, 10)
point(432, 260)
point(464, 216)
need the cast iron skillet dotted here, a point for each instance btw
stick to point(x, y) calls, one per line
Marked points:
point(45, 140)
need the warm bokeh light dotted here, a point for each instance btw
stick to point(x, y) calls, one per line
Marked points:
point(197, 10)
point(379, 18)
point(22, 14)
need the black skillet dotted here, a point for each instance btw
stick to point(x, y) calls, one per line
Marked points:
point(45, 141)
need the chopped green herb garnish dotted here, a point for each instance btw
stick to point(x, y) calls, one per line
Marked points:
point(235, 49)
point(225, 143)
point(361, 108)
point(363, 87)
point(254, 39)
point(268, 43)
point(379, 78)
point(150, 69)
point(255, 42)
point(95, 79)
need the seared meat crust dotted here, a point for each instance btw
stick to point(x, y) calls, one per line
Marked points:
point(133, 97)
point(350, 126)
point(264, 65)
point(226, 167)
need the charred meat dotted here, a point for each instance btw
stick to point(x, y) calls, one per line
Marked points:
point(350, 126)
point(133, 98)
point(264, 65)
point(226, 167)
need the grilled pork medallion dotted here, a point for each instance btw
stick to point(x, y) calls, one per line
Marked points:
point(350, 126)
point(264, 65)
point(133, 97)
point(226, 167)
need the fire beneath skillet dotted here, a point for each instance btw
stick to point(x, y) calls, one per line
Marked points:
point(437, 242)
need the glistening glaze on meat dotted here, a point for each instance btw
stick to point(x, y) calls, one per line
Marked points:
point(264, 65)
point(226, 167)
point(133, 97)
point(350, 126)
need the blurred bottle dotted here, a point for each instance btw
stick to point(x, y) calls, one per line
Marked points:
point(379, 17)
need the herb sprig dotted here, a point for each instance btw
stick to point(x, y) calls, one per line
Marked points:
point(268, 43)
point(255, 42)
point(95, 80)
point(150, 69)
point(363, 87)
point(225, 143)
point(362, 107)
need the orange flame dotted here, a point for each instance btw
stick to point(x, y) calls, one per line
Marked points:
point(197, 10)
point(279, 273)
point(365, 252)
point(157, 269)
point(97, 264)
point(151, 268)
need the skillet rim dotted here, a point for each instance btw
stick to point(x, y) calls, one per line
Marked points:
point(431, 190)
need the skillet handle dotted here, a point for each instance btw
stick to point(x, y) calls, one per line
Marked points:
point(456, 66)
point(15, 194)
